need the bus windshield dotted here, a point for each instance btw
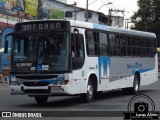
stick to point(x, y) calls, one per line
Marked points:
point(43, 51)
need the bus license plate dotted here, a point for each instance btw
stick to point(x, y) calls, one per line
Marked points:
point(55, 87)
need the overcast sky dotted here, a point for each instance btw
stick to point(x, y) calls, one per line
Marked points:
point(130, 6)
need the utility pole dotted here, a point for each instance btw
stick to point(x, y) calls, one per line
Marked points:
point(110, 17)
point(87, 11)
point(39, 9)
point(7, 13)
point(75, 11)
point(7, 16)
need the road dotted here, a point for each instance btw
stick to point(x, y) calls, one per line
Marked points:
point(114, 100)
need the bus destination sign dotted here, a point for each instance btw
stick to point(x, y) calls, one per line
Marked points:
point(45, 25)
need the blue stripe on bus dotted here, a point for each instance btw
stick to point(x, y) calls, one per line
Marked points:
point(99, 27)
point(53, 81)
point(50, 81)
point(142, 70)
point(103, 65)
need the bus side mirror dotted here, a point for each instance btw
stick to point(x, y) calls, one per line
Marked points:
point(76, 30)
point(6, 46)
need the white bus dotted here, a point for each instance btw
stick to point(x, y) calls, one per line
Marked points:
point(60, 57)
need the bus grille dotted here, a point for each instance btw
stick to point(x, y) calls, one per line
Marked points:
point(35, 84)
point(40, 91)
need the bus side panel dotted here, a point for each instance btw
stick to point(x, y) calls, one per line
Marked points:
point(121, 83)
point(80, 76)
point(122, 71)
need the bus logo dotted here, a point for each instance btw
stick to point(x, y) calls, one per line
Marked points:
point(135, 65)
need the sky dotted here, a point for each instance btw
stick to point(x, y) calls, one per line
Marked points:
point(129, 6)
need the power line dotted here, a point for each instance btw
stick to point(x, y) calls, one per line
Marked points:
point(103, 5)
point(92, 2)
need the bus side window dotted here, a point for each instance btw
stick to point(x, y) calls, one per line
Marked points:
point(77, 51)
point(152, 46)
point(90, 43)
point(112, 45)
point(143, 47)
point(123, 45)
point(128, 46)
point(135, 50)
point(103, 44)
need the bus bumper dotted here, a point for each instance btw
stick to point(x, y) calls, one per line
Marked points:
point(50, 90)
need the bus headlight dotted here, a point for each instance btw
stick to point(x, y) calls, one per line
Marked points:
point(13, 82)
point(16, 82)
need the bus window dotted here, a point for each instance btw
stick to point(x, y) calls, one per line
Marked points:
point(103, 44)
point(128, 46)
point(90, 43)
point(113, 45)
point(21, 48)
point(134, 45)
point(143, 47)
point(152, 49)
point(123, 45)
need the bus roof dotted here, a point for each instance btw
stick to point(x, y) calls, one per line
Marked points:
point(111, 29)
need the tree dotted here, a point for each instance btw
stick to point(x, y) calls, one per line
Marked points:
point(147, 18)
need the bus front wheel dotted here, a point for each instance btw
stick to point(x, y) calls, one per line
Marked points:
point(89, 96)
point(41, 100)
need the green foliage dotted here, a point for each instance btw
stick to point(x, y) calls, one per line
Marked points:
point(147, 18)
point(56, 14)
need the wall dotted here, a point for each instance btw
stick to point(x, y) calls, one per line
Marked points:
point(80, 14)
point(5, 57)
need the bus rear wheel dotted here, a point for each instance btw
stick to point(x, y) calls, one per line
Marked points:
point(41, 100)
point(136, 85)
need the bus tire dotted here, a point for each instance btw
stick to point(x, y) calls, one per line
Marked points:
point(89, 96)
point(41, 100)
point(136, 85)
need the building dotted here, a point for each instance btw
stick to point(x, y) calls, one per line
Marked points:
point(117, 21)
point(8, 20)
point(10, 13)
point(52, 9)
point(5, 57)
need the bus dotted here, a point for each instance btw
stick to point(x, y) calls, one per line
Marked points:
point(68, 57)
